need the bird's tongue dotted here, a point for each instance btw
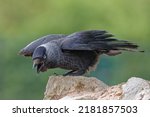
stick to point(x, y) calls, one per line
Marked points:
point(44, 69)
point(41, 68)
point(38, 68)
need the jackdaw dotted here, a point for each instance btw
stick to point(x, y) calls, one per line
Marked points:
point(78, 52)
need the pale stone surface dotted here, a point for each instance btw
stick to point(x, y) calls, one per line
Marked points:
point(89, 88)
point(136, 88)
point(60, 86)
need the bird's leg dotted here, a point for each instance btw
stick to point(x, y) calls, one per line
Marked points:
point(77, 73)
point(66, 74)
point(55, 74)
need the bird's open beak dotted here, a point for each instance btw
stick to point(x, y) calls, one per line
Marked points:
point(37, 65)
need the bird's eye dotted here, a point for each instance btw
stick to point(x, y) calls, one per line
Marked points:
point(44, 57)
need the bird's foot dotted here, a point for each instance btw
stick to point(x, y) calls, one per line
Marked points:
point(70, 72)
point(55, 74)
point(75, 73)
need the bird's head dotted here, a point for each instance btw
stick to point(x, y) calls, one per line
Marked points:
point(39, 57)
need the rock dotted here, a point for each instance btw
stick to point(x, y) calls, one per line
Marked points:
point(60, 86)
point(136, 88)
point(90, 88)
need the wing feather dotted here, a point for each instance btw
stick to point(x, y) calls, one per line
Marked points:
point(29, 49)
point(95, 40)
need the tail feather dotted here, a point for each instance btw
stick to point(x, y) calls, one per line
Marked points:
point(114, 44)
point(104, 36)
point(124, 45)
point(106, 41)
point(97, 40)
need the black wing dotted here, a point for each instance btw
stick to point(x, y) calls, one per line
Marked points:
point(98, 40)
point(29, 49)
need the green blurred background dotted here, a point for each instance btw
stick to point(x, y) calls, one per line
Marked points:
point(23, 21)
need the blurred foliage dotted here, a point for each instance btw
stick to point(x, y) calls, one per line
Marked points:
point(23, 21)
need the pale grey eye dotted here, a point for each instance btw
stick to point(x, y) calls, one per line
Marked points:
point(44, 57)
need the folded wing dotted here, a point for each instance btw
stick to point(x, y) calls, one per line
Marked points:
point(95, 40)
point(29, 49)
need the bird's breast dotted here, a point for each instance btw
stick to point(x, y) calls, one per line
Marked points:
point(69, 61)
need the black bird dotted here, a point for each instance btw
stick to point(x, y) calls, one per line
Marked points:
point(78, 52)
